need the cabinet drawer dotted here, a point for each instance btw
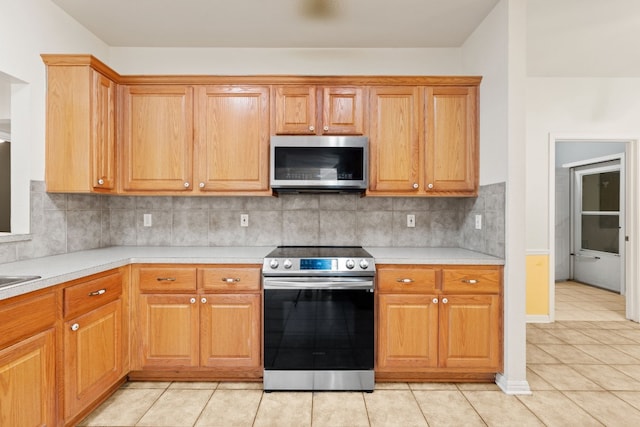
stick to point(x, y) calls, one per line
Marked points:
point(91, 294)
point(230, 279)
point(159, 279)
point(406, 279)
point(477, 279)
point(26, 317)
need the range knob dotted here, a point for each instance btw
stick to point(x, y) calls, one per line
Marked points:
point(364, 264)
point(273, 263)
point(350, 264)
point(287, 264)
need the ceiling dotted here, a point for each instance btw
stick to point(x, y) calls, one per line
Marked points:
point(280, 23)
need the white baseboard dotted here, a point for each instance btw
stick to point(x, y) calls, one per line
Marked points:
point(538, 318)
point(513, 387)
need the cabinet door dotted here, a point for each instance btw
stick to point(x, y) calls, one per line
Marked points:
point(232, 136)
point(27, 382)
point(407, 332)
point(103, 145)
point(394, 139)
point(342, 111)
point(93, 356)
point(230, 331)
point(470, 332)
point(295, 110)
point(451, 156)
point(157, 138)
point(168, 330)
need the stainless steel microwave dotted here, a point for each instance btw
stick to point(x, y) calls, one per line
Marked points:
point(319, 163)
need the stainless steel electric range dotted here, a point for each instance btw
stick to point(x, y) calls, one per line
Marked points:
point(318, 318)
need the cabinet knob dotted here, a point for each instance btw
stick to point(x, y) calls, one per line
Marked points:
point(203, 300)
point(192, 300)
point(101, 181)
point(430, 186)
point(415, 185)
point(435, 300)
point(326, 128)
point(312, 128)
point(186, 184)
point(444, 300)
point(201, 185)
point(75, 327)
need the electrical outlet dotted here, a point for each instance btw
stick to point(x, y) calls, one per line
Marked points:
point(244, 220)
point(147, 220)
point(411, 220)
point(478, 222)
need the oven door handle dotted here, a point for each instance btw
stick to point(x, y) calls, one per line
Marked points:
point(315, 283)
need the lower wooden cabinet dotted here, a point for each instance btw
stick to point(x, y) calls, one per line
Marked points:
point(445, 328)
point(27, 382)
point(212, 332)
point(93, 356)
point(93, 341)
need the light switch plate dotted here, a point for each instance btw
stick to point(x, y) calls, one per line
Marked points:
point(244, 220)
point(411, 220)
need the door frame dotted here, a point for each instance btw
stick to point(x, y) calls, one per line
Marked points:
point(632, 197)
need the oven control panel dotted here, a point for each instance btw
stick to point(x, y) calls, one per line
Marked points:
point(318, 265)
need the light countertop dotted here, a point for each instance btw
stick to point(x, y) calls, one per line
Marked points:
point(58, 269)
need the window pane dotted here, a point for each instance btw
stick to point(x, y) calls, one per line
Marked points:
point(601, 192)
point(600, 233)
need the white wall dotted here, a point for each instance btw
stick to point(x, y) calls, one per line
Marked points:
point(570, 106)
point(251, 61)
point(485, 54)
point(29, 28)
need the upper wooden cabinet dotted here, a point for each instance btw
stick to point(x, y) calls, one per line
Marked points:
point(423, 140)
point(318, 110)
point(81, 125)
point(394, 139)
point(157, 138)
point(181, 139)
point(209, 135)
point(451, 156)
point(232, 138)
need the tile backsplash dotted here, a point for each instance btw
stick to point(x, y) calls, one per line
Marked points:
point(63, 223)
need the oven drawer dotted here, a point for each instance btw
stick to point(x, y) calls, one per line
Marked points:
point(166, 279)
point(230, 279)
point(474, 279)
point(406, 279)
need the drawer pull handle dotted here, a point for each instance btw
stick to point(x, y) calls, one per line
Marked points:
point(404, 280)
point(470, 281)
point(166, 279)
point(98, 292)
point(230, 279)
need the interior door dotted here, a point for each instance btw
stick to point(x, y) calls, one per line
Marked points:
point(598, 221)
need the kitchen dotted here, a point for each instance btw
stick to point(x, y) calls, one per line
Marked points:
point(493, 146)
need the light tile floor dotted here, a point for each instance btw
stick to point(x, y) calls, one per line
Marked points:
point(584, 370)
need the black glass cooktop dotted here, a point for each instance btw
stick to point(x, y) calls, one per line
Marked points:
point(319, 252)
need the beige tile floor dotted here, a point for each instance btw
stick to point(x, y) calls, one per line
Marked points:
point(584, 370)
